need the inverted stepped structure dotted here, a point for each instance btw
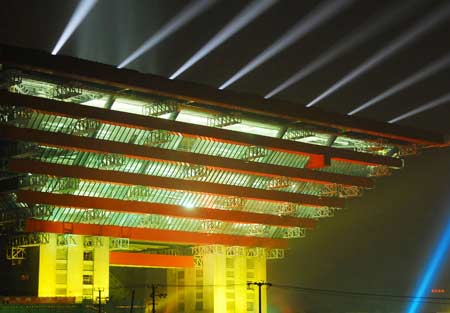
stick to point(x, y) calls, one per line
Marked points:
point(105, 167)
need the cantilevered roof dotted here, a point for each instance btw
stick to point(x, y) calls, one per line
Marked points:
point(122, 79)
point(93, 150)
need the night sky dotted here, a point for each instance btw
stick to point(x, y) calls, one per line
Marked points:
point(381, 242)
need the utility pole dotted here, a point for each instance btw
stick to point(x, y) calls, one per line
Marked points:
point(154, 295)
point(132, 301)
point(259, 284)
point(99, 301)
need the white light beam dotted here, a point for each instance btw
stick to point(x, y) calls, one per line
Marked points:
point(413, 79)
point(246, 16)
point(398, 43)
point(428, 106)
point(189, 12)
point(315, 18)
point(369, 29)
point(81, 11)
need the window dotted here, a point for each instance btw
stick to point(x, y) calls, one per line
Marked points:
point(88, 280)
point(199, 292)
point(61, 278)
point(61, 265)
point(61, 253)
point(88, 267)
point(199, 306)
point(88, 255)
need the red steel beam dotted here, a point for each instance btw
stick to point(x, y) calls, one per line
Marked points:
point(150, 260)
point(152, 235)
point(130, 179)
point(71, 142)
point(120, 118)
point(93, 72)
point(129, 206)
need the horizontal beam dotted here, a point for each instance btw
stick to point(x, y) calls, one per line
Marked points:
point(129, 206)
point(131, 179)
point(97, 73)
point(152, 235)
point(120, 118)
point(133, 259)
point(71, 142)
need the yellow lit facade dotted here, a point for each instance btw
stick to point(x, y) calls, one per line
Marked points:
point(218, 283)
point(78, 266)
point(74, 266)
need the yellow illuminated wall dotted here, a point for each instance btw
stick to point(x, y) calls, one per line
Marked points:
point(219, 282)
point(47, 268)
point(74, 266)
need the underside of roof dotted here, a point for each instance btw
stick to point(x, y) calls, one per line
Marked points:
point(113, 152)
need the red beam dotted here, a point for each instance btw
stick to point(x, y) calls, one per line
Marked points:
point(152, 235)
point(93, 72)
point(150, 260)
point(128, 206)
point(130, 179)
point(74, 110)
point(78, 143)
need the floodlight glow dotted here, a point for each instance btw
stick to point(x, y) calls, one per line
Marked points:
point(82, 10)
point(315, 18)
point(189, 12)
point(369, 29)
point(398, 43)
point(189, 206)
point(246, 16)
point(422, 108)
point(415, 78)
point(431, 270)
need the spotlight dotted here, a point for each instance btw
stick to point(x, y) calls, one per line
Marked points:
point(415, 78)
point(246, 16)
point(431, 269)
point(315, 18)
point(82, 10)
point(422, 108)
point(398, 43)
point(191, 11)
point(369, 29)
point(189, 206)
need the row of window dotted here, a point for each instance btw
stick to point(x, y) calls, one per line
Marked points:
point(62, 254)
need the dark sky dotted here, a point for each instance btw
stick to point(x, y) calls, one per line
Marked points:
point(381, 242)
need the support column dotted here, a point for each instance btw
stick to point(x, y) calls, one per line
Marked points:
point(47, 268)
point(101, 266)
point(75, 267)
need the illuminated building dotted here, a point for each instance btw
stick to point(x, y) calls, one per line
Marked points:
point(107, 167)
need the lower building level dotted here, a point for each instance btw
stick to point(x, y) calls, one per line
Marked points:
point(210, 278)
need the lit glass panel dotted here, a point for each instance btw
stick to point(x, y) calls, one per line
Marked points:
point(251, 128)
point(128, 105)
point(98, 103)
point(192, 117)
point(40, 87)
